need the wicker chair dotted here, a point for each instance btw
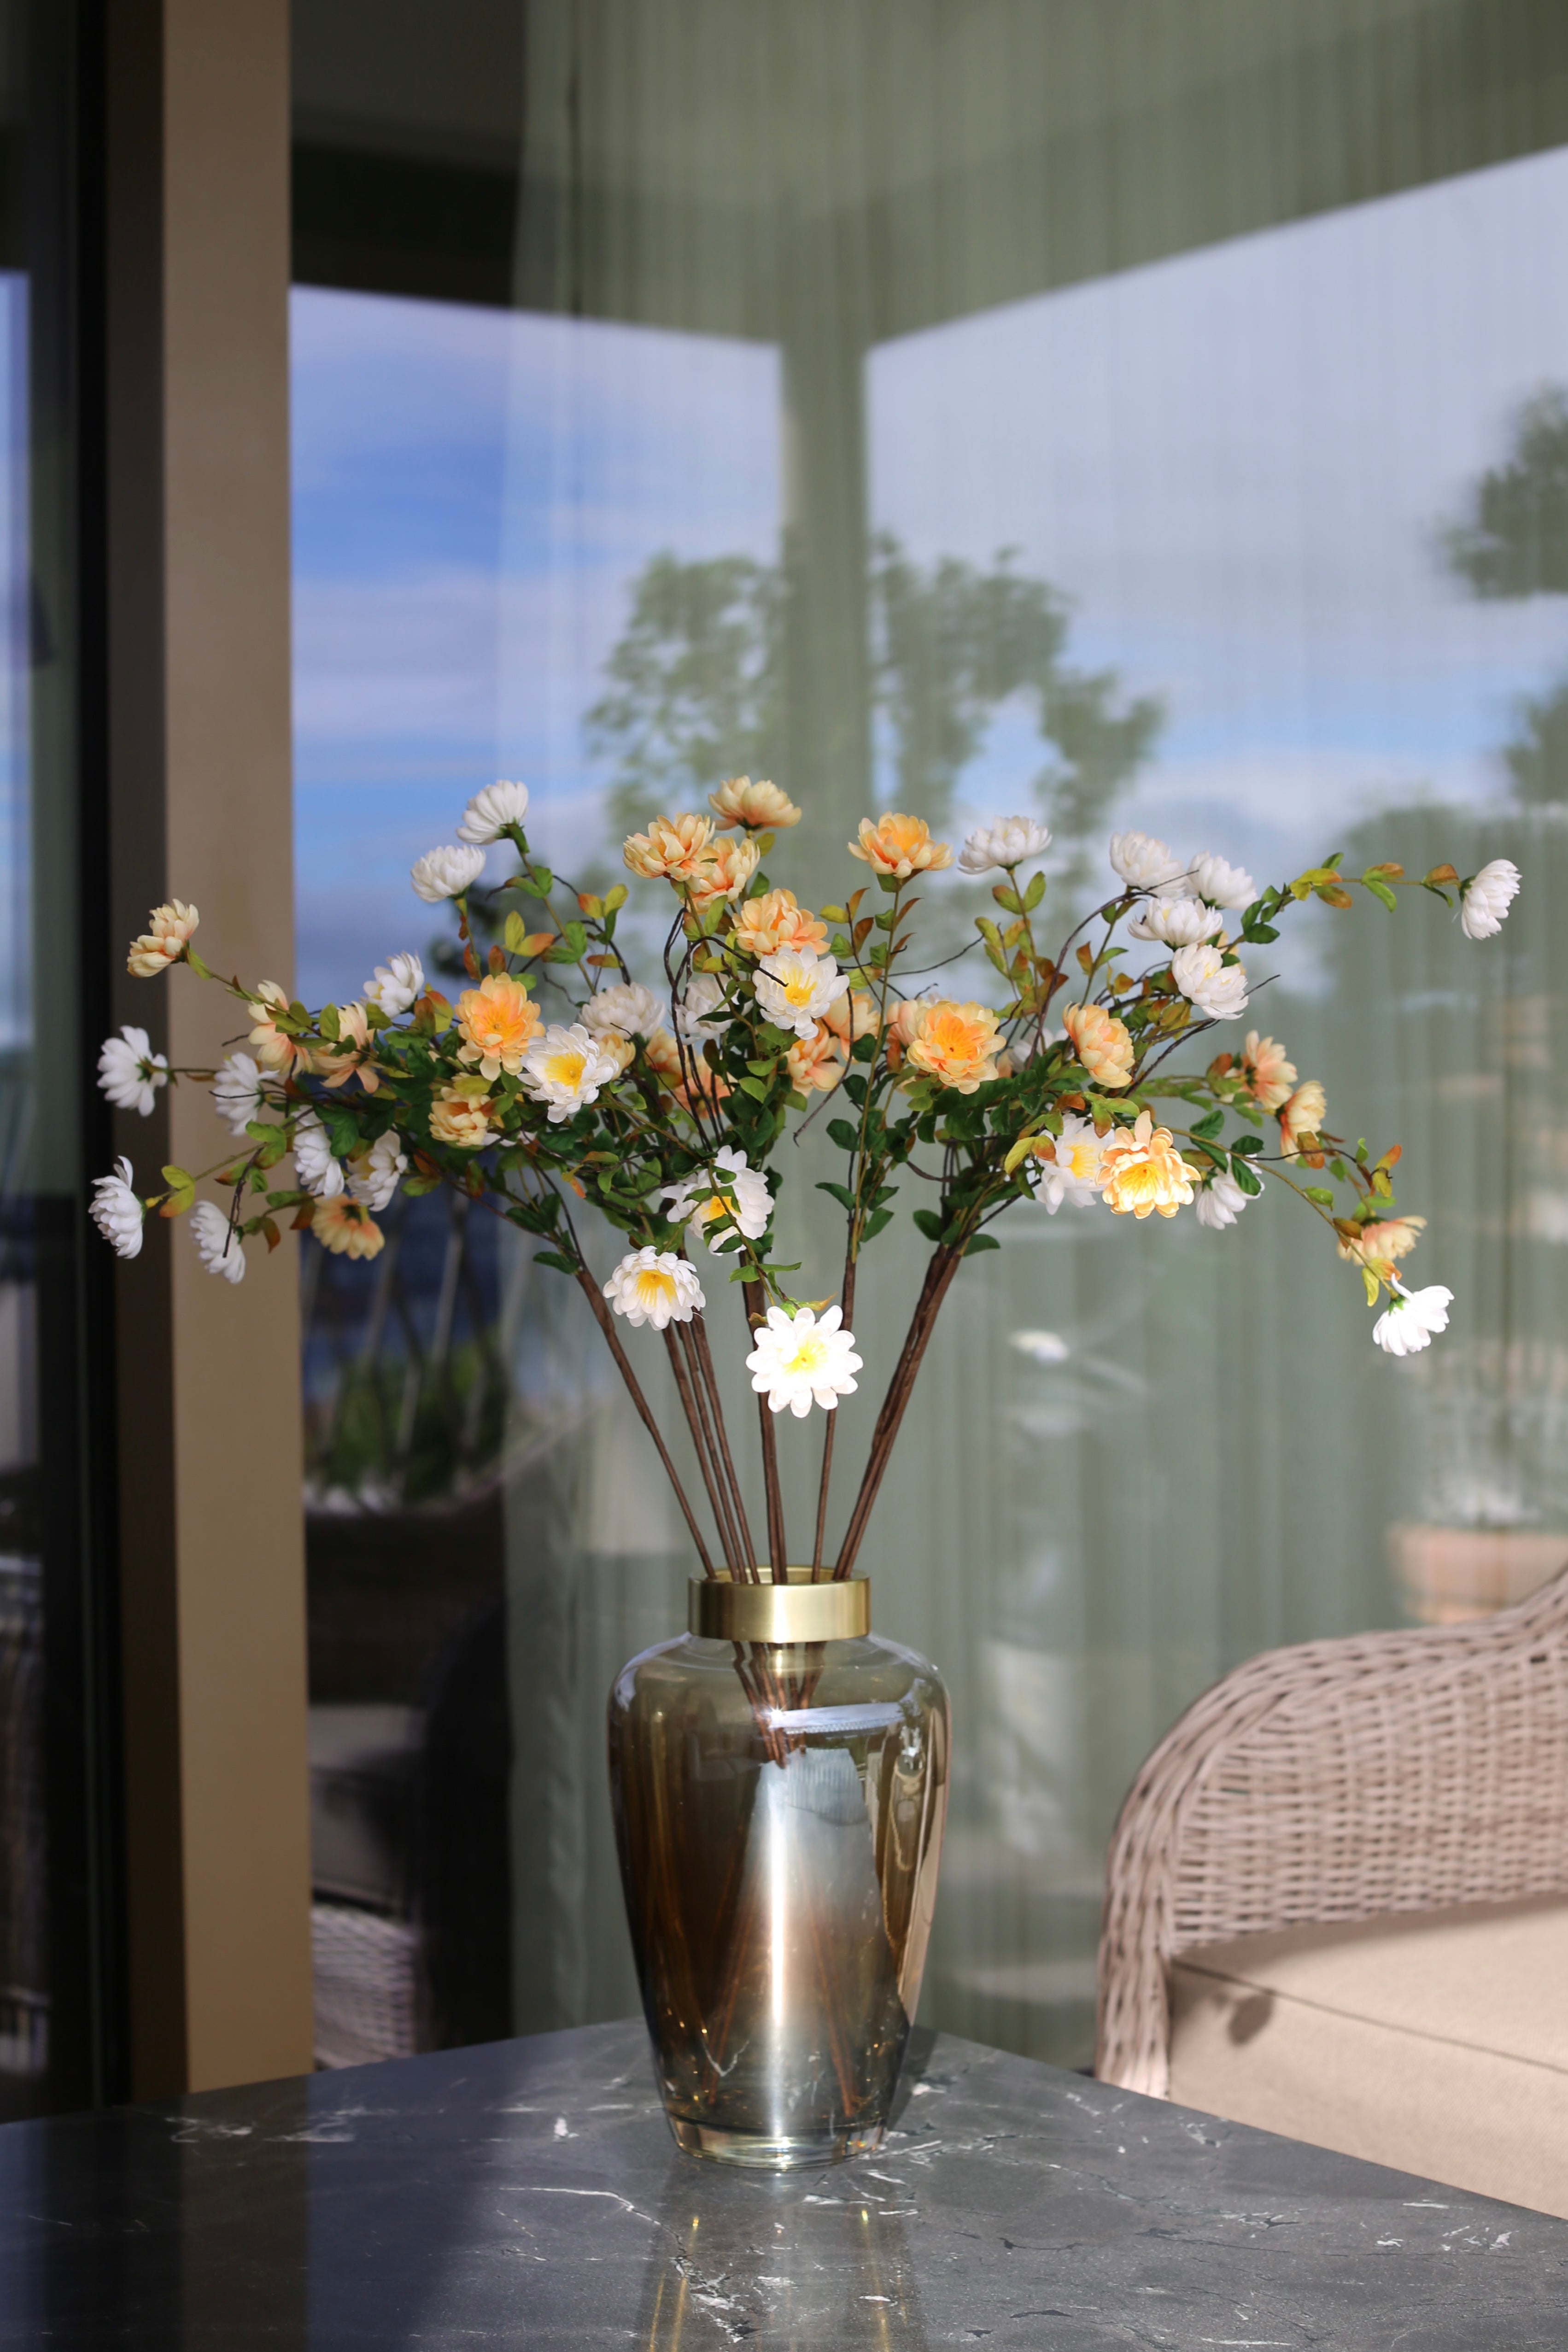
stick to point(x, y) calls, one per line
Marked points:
point(1339, 1780)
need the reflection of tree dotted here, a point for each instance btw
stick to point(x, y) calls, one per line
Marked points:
point(697, 685)
point(1515, 544)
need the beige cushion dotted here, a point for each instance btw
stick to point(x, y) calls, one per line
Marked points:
point(1436, 2042)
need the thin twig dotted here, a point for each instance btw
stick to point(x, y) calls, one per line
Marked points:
point(605, 1322)
point(723, 1505)
point(848, 1304)
point(753, 1293)
point(690, 1406)
point(944, 1263)
point(705, 1356)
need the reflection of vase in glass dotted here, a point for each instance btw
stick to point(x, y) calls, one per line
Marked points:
point(779, 1807)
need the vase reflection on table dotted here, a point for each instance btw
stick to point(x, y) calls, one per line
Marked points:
point(779, 1807)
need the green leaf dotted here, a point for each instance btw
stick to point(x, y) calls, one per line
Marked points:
point(549, 1257)
point(982, 1242)
point(1211, 1125)
point(330, 1027)
point(1246, 1146)
point(841, 1193)
point(864, 1049)
point(1381, 891)
point(1318, 1192)
point(515, 932)
point(874, 1226)
point(755, 1088)
point(416, 1186)
point(1246, 1177)
point(844, 1134)
point(1034, 894)
point(929, 1224)
point(180, 1180)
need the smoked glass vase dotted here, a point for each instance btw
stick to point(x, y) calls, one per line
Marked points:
point(779, 1777)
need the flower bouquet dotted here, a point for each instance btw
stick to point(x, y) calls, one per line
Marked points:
point(780, 1909)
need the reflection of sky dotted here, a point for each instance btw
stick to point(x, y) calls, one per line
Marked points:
point(1235, 461)
point(475, 492)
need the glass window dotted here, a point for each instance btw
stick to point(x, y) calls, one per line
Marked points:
point(961, 410)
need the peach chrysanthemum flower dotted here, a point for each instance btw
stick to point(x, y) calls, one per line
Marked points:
point(275, 1049)
point(673, 847)
point(354, 1037)
point(957, 1045)
point(460, 1114)
point(817, 1063)
point(1142, 1174)
point(764, 926)
point(724, 870)
point(1301, 1114)
point(853, 1015)
point(1269, 1077)
point(899, 845)
point(346, 1227)
point(662, 1056)
point(762, 806)
point(497, 1020)
point(1102, 1044)
point(166, 941)
point(1381, 1243)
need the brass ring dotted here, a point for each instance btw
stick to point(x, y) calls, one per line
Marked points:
point(722, 1610)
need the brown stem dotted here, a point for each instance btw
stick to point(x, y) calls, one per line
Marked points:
point(944, 1263)
point(723, 1503)
point(705, 1356)
point(690, 1407)
point(756, 1316)
point(848, 1303)
point(605, 1321)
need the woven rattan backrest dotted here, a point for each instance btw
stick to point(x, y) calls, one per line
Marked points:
point(1338, 1780)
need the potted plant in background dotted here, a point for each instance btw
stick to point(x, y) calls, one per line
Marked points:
point(779, 1772)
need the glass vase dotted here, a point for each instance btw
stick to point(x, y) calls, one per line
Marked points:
point(779, 1778)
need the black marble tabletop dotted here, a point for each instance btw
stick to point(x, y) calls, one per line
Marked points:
point(528, 2195)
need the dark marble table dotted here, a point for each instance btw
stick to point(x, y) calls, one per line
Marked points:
point(528, 2195)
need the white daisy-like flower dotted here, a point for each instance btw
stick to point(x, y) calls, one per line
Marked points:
point(654, 1287)
point(731, 1194)
point(1484, 908)
point(1406, 1327)
point(237, 1094)
point(695, 1009)
point(1176, 922)
point(1145, 864)
point(1005, 841)
point(116, 1210)
point(566, 1068)
point(446, 873)
point(489, 812)
point(1221, 1202)
point(795, 989)
point(130, 1071)
point(1221, 885)
point(802, 1360)
point(627, 1010)
point(1073, 1172)
point(221, 1252)
point(398, 985)
point(373, 1174)
point(1217, 988)
point(318, 1171)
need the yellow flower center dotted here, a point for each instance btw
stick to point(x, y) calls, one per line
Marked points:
point(566, 1070)
point(798, 991)
point(1082, 1158)
point(809, 1355)
point(653, 1286)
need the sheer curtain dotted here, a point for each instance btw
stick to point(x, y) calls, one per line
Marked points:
point(1142, 415)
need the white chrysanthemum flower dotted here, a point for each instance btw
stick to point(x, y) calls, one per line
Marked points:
point(1221, 885)
point(695, 1009)
point(398, 985)
point(318, 1171)
point(1221, 1202)
point(1406, 1327)
point(795, 988)
point(1144, 863)
point(373, 1174)
point(1005, 841)
point(116, 1210)
point(446, 873)
point(130, 1071)
point(566, 1068)
point(1073, 1172)
point(654, 1287)
point(729, 1190)
point(237, 1094)
point(1176, 922)
point(802, 1360)
point(221, 1252)
point(627, 1010)
point(489, 812)
point(1217, 988)
point(1484, 907)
